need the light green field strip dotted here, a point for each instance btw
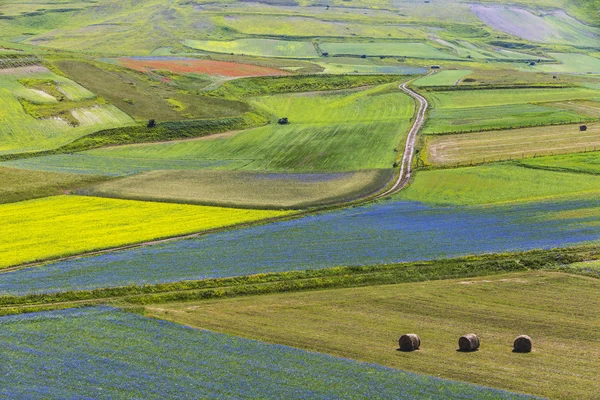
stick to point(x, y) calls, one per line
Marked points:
point(560, 312)
point(413, 50)
point(443, 78)
point(278, 25)
point(475, 148)
point(256, 47)
point(497, 184)
point(582, 162)
point(246, 189)
point(570, 63)
point(481, 98)
point(66, 225)
point(20, 132)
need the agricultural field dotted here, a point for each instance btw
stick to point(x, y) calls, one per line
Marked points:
point(462, 111)
point(32, 118)
point(512, 144)
point(554, 27)
point(411, 50)
point(194, 66)
point(497, 183)
point(103, 223)
point(385, 233)
point(19, 184)
point(440, 311)
point(588, 163)
point(257, 47)
point(255, 199)
point(443, 78)
point(147, 97)
point(324, 128)
point(246, 189)
point(189, 364)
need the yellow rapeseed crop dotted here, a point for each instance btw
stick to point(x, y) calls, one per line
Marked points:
point(66, 225)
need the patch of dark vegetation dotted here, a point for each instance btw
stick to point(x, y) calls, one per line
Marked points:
point(17, 60)
point(512, 45)
point(295, 281)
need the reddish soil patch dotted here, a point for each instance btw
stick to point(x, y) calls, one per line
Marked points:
point(207, 67)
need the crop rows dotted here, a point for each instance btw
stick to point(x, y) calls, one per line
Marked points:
point(117, 354)
point(379, 234)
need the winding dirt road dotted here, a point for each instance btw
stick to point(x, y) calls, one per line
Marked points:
point(409, 150)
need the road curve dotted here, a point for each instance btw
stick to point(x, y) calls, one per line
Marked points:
point(409, 150)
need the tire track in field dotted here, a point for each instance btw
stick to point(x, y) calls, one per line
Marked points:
point(409, 150)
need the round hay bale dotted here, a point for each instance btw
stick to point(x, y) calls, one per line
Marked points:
point(469, 342)
point(409, 342)
point(523, 344)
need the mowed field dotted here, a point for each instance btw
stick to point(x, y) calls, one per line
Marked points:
point(193, 66)
point(462, 111)
point(47, 228)
point(116, 348)
point(21, 132)
point(479, 147)
point(559, 311)
point(246, 189)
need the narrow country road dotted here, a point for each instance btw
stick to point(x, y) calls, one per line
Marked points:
point(409, 150)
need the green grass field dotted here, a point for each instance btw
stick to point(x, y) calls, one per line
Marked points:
point(18, 184)
point(570, 63)
point(497, 183)
point(559, 311)
point(479, 147)
point(246, 189)
point(328, 132)
point(412, 50)
point(512, 116)
point(443, 78)
point(588, 163)
point(257, 47)
point(482, 98)
point(47, 228)
point(471, 111)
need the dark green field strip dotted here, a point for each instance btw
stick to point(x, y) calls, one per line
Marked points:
point(296, 281)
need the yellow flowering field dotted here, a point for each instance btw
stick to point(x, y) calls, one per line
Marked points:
point(66, 225)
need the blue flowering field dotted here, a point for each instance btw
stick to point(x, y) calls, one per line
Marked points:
point(387, 232)
point(115, 354)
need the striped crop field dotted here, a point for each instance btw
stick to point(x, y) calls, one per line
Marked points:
point(115, 354)
point(560, 312)
point(257, 47)
point(194, 66)
point(328, 132)
point(411, 50)
point(471, 111)
point(48, 228)
point(384, 233)
point(474, 148)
